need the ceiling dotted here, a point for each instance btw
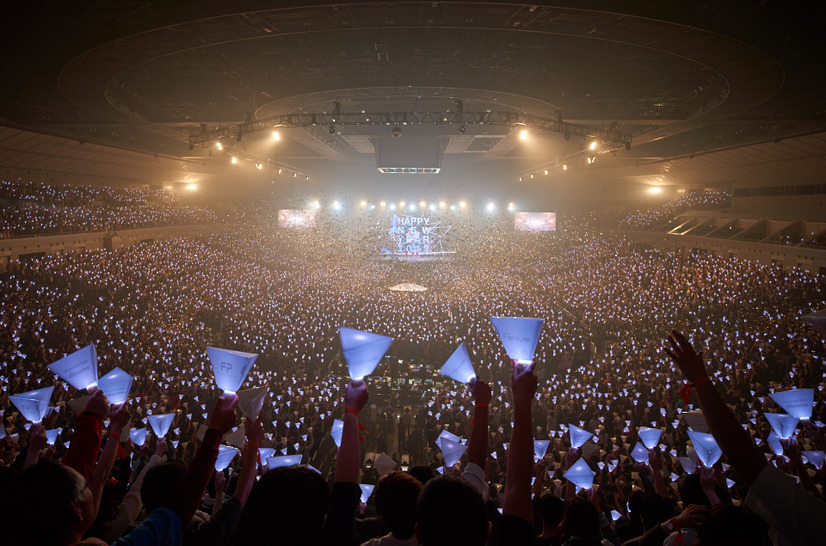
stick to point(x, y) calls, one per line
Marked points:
point(114, 88)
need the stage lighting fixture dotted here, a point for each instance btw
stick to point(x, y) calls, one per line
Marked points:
point(432, 206)
point(363, 204)
point(336, 205)
point(402, 204)
point(396, 132)
point(218, 145)
point(295, 175)
point(316, 204)
point(442, 204)
point(332, 129)
point(565, 167)
point(462, 204)
point(453, 208)
point(412, 206)
point(259, 166)
point(593, 145)
point(191, 187)
point(520, 179)
point(523, 134)
point(462, 129)
point(234, 160)
point(423, 204)
point(531, 176)
point(276, 136)
point(655, 189)
point(392, 206)
point(382, 204)
point(591, 160)
point(546, 172)
point(307, 177)
point(491, 206)
point(511, 207)
point(279, 171)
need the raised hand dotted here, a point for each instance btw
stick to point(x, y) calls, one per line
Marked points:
point(523, 383)
point(98, 404)
point(687, 359)
point(255, 432)
point(223, 415)
point(160, 447)
point(120, 419)
point(481, 392)
point(356, 395)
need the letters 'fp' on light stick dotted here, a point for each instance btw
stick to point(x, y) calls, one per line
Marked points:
point(230, 368)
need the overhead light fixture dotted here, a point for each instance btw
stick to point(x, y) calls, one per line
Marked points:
point(382, 204)
point(655, 189)
point(363, 204)
point(546, 172)
point(523, 134)
point(442, 204)
point(462, 204)
point(565, 167)
point(491, 206)
point(234, 160)
point(423, 204)
point(276, 136)
point(401, 204)
point(531, 176)
point(593, 145)
point(336, 205)
point(511, 206)
point(295, 175)
point(218, 145)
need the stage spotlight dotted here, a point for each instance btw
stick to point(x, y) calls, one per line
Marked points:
point(401, 204)
point(363, 204)
point(491, 206)
point(412, 206)
point(392, 206)
point(307, 177)
point(218, 145)
point(442, 204)
point(192, 187)
point(546, 172)
point(511, 207)
point(336, 205)
point(316, 204)
point(462, 204)
point(453, 208)
point(234, 160)
point(531, 176)
point(591, 160)
point(520, 179)
point(382, 204)
point(523, 134)
point(372, 207)
point(655, 189)
point(423, 204)
point(593, 145)
point(276, 136)
point(396, 132)
point(462, 129)
point(295, 175)
point(279, 171)
point(565, 167)
point(259, 166)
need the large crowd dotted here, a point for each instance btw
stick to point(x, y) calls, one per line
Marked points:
point(653, 218)
point(608, 305)
point(31, 208)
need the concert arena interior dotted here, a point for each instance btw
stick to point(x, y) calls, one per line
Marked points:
point(402, 273)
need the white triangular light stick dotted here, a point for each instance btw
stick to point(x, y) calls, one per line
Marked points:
point(230, 368)
point(540, 448)
point(449, 435)
point(79, 369)
point(138, 436)
point(33, 405)
point(265, 453)
point(51, 436)
point(362, 350)
point(251, 401)
point(782, 423)
point(366, 491)
point(458, 367)
point(797, 402)
point(695, 420)
point(649, 436)
point(815, 457)
point(706, 447)
point(580, 474)
point(225, 456)
point(335, 432)
point(688, 465)
point(160, 423)
point(283, 460)
point(578, 436)
point(115, 385)
point(384, 464)
point(519, 336)
point(640, 453)
point(452, 451)
point(774, 443)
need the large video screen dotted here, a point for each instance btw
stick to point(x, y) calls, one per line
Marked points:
point(416, 236)
point(290, 218)
point(535, 221)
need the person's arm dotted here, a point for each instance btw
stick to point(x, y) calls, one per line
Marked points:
point(119, 421)
point(708, 481)
point(655, 460)
point(187, 494)
point(37, 441)
point(539, 476)
point(87, 427)
point(220, 489)
point(735, 442)
point(517, 500)
point(339, 525)
point(347, 461)
point(477, 448)
point(255, 433)
point(605, 527)
point(791, 451)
